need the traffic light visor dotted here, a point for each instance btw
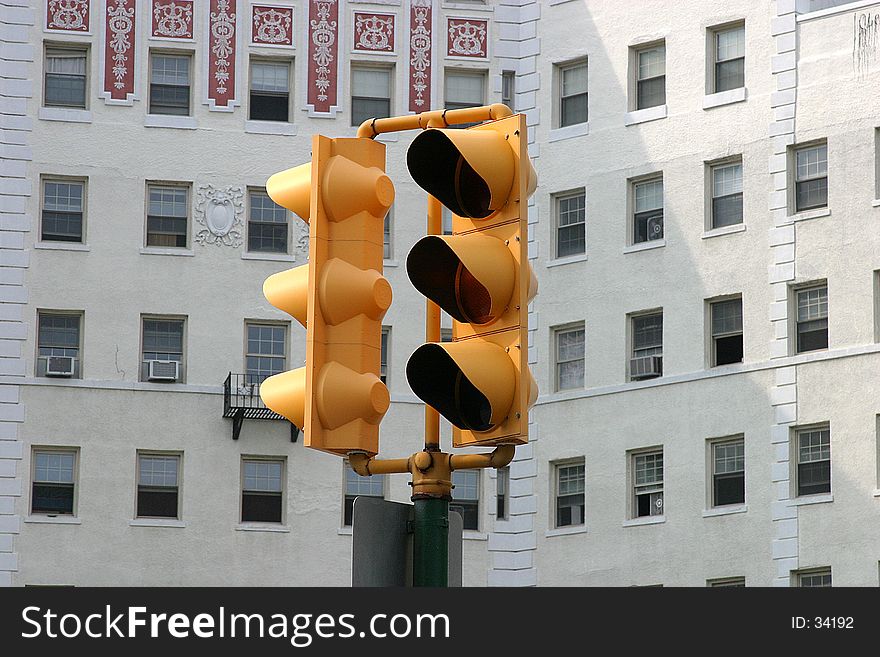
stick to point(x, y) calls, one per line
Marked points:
point(285, 394)
point(470, 384)
point(292, 188)
point(470, 171)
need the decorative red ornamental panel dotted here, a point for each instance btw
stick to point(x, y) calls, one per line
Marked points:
point(323, 54)
point(119, 48)
point(272, 26)
point(68, 15)
point(466, 37)
point(421, 32)
point(221, 52)
point(373, 32)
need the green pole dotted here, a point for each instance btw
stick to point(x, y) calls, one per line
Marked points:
point(430, 542)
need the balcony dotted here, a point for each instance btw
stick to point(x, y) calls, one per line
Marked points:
point(241, 401)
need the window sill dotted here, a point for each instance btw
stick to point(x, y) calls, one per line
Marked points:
point(387, 137)
point(344, 531)
point(62, 246)
point(66, 114)
point(647, 520)
point(558, 262)
point(875, 203)
point(270, 529)
point(390, 263)
point(49, 520)
point(645, 246)
point(452, 4)
point(725, 510)
point(156, 522)
point(270, 128)
point(570, 132)
point(272, 257)
point(149, 250)
point(724, 98)
point(877, 492)
point(473, 535)
point(821, 498)
point(566, 531)
point(170, 121)
point(810, 214)
point(645, 115)
point(725, 230)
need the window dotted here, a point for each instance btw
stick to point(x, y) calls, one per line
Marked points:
point(54, 481)
point(730, 54)
point(727, 332)
point(169, 84)
point(446, 215)
point(383, 358)
point(728, 472)
point(58, 344)
point(162, 346)
point(570, 489)
point(570, 358)
point(262, 490)
point(266, 351)
point(647, 211)
point(817, 578)
point(727, 194)
point(727, 581)
point(445, 335)
point(813, 460)
point(647, 346)
point(812, 318)
point(508, 88)
point(357, 486)
point(571, 224)
point(270, 91)
point(387, 244)
point(62, 213)
point(267, 224)
point(464, 89)
point(572, 94)
point(651, 76)
point(502, 493)
point(811, 177)
point(466, 497)
point(647, 470)
point(167, 216)
point(65, 84)
point(370, 93)
point(158, 486)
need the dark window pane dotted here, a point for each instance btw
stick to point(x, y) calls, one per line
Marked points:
point(469, 513)
point(727, 210)
point(812, 335)
point(267, 237)
point(260, 507)
point(814, 477)
point(643, 505)
point(570, 510)
point(169, 99)
point(730, 489)
point(571, 240)
point(270, 107)
point(348, 511)
point(573, 110)
point(812, 194)
point(648, 226)
point(65, 90)
point(157, 502)
point(369, 108)
point(729, 75)
point(166, 231)
point(729, 350)
point(651, 92)
point(501, 507)
point(52, 498)
point(62, 226)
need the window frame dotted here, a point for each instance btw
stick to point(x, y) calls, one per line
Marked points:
point(64, 180)
point(822, 571)
point(264, 458)
point(248, 323)
point(54, 449)
point(631, 339)
point(712, 493)
point(795, 323)
point(558, 198)
point(556, 468)
point(448, 72)
point(636, 51)
point(475, 504)
point(385, 354)
point(713, 338)
point(559, 96)
point(261, 191)
point(366, 65)
point(720, 582)
point(797, 431)
point(711, 213)
point(78, 368)
point(388, 235)
point(143, 370)
point(712, 46)
point(556, 332)
point(187, 187)
point(508, 89)
point(502, 494)
point(346, 468)
point(634, 215)
point(70, 46)
point(795, 179)
point(137, 482)
point(633, 486)
point(189, 55)
point(275, 61)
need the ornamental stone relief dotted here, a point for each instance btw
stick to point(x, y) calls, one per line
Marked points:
point(219, 211)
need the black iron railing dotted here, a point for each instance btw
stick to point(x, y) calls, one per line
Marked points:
point(241, 401)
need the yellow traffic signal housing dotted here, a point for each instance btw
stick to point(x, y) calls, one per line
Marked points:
point(481, 276)
point(340, 296)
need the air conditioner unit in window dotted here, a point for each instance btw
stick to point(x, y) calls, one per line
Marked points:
point(163, 370)
point(60, 365)
point(646, 367)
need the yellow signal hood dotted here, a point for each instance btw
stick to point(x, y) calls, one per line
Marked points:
point(285, 394)
point(292, 189)
point(289, 291)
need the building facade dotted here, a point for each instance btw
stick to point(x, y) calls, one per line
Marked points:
point(704, 335)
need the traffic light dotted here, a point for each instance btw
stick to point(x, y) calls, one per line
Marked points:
point(480, 275)
point(340, 295)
